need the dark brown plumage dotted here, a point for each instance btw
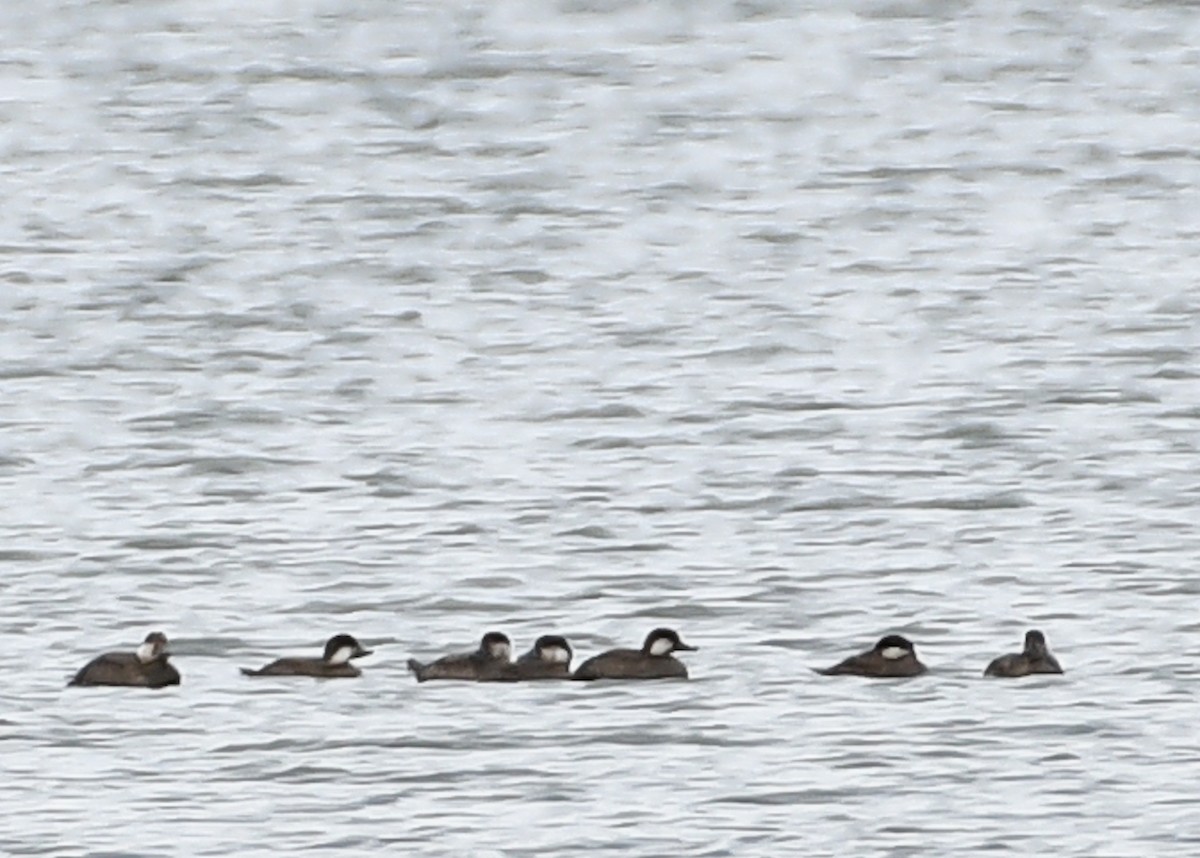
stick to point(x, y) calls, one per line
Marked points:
point(1034, 658)
point(490, 663)
point(146, 668)
point(550, 658)
point(652, 661)
point(892, 657)
point(335, 662)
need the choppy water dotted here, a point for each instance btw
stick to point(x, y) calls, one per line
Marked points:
point(785, 324)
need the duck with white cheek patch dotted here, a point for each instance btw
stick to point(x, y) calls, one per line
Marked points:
point(550, 658)
point(894, 656)
point(492, 662)
point(653, 661)
point(145, 668)
point(335, 663)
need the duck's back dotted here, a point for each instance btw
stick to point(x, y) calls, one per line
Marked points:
point(1019, 664)
point(852, 666)
point(872, 664)
point(1014, 664)
point(631, 664)
point(470, 667)
point(304, 667)
point(122, 668)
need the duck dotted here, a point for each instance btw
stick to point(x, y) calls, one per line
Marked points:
point(490, 662)
point(653, 661)
point(1034, 658)
point(892, 656)
point(146, 667)
point(334, 663)
point(549, 658)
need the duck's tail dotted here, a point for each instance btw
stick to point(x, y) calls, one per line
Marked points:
point(417, 668)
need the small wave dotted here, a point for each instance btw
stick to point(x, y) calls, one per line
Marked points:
point(786, 404)
point(614, 411)
point(174, 543)
point(591, 531)
point(1101, 397)
point(790, 797)
point(1002, 500)
point(637, 547)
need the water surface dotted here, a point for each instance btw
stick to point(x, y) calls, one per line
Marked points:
point(786, 324)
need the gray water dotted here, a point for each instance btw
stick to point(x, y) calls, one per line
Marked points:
point(786, 324)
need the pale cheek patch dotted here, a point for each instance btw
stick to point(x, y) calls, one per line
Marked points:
point(661, 646)
point(893, 652)
point(342, 655)
point(500, 650)
point(146, 653)
point(556, 654)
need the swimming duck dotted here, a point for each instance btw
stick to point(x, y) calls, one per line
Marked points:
point(146, 667)
point(1035, 658)
point(491, 662)
point(653, 661)
point(339, 649)
point(550, 658)
point(892, 656)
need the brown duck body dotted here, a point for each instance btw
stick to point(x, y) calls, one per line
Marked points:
point(874, 664)
point(125, 668)
point(631, 664)
point(893, 657)
point(653, 661)
point(316, 667)
point(1019, 664)
point(538, 669)
point(469, 667)
point(1035, 658)
point(489, 663)
point(334, 664)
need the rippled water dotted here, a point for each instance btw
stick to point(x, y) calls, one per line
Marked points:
point(785, 324)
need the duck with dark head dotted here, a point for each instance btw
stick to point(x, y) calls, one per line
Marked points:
point(549, 658)
point(1034, 658)
point(491, 662)
point(334, 663)
point(892, 657)
point(147, 667)
point(655, 660)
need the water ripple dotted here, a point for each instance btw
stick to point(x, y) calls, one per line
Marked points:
point(584, 318)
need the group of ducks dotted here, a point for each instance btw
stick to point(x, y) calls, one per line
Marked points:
point(550, 658)
point(894, 656)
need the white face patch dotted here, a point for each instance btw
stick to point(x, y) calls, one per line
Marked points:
point(341, 655)
point(499, 650)
point(893, 652)
point(556, 654)
point(147, 652)
point(662, 646)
